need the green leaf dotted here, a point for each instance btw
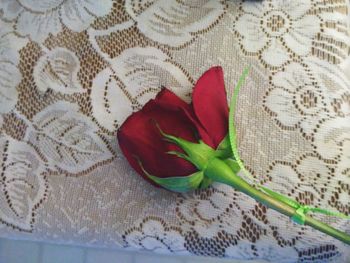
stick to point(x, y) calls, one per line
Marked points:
point(179, 184)
point(180, 155)
point(224, 150)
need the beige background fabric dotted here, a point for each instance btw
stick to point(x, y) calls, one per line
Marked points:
point(72, 71)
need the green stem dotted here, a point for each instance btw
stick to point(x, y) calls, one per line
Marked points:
point(217, 170)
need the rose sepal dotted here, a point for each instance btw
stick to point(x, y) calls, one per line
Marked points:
point(197, 153)
point(181, 184)
point(224, 150)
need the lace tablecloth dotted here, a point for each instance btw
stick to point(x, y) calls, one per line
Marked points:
point(72, 71)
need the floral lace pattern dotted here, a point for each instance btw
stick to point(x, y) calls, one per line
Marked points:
point(38, 20)
point(23, 185)
point(155, 235)
point(10, 44)
point(72, 71)
point(277, 30)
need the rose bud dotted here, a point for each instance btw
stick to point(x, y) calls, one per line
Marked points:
point(150, 137)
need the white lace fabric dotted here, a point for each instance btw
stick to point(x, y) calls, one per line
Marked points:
point(72, 71)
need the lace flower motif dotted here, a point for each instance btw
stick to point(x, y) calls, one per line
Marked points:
point(38, 19)
point(277, 30)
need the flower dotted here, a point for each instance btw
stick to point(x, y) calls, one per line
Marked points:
point(199, 151)
point(277, 30)
point(141, 137)
point(39, 19)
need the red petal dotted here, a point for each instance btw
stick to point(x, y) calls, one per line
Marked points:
point(170, 100)
point(169, 97)
point(210, 104)
point(140, 138)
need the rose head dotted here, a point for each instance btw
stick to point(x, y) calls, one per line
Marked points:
point(146, 136)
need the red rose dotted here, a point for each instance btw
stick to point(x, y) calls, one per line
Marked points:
point(184, 147)
point(206, 119)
